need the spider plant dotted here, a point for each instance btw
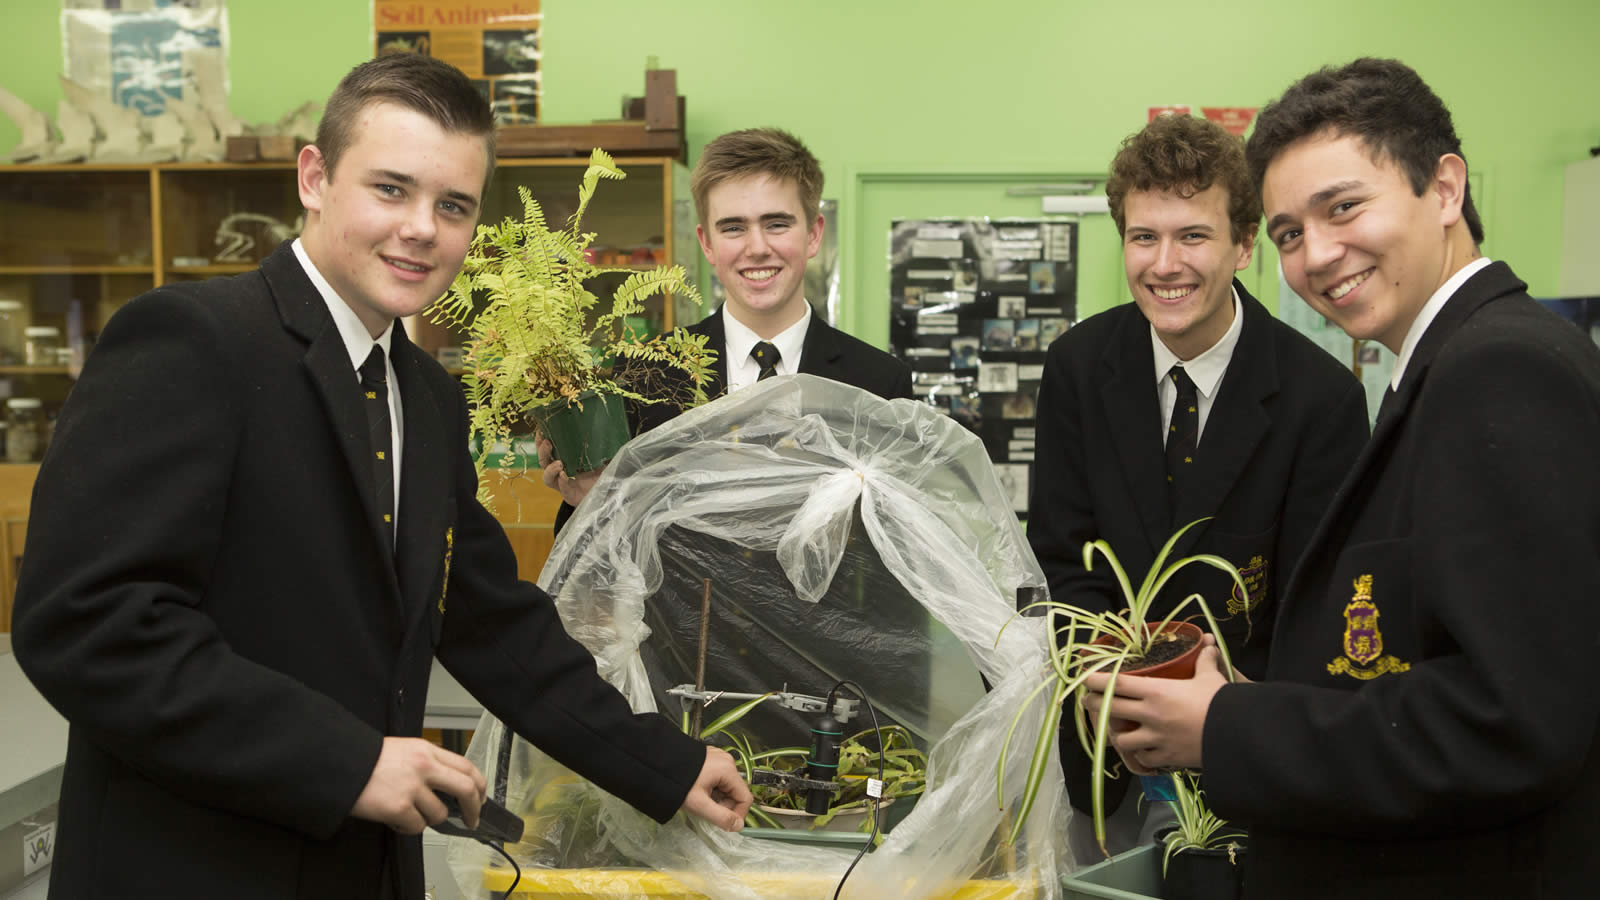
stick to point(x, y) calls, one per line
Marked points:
point(1110, 642)
point(1198, 827)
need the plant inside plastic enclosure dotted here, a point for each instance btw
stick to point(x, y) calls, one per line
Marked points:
point(779, 776)
point(1111, 642)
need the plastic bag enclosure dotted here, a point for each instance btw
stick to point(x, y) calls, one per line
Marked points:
point(845, 538)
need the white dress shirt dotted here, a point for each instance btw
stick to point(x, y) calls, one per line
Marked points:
point(1429, 311)
point(358, 343)
point(743, 370)
point(1205, 370)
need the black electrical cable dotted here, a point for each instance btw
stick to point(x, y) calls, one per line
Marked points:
point(516, 878)
point(876, 810)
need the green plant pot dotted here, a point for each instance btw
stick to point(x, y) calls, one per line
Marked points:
point(586, 433)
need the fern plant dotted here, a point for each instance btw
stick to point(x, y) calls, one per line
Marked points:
point(536, 335)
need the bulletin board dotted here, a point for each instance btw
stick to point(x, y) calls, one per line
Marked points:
point(974, 305)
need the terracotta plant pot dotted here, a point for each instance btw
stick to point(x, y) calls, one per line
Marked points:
point(588, 433)
point(1178, 667)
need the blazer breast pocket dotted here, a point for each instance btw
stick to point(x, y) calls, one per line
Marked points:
point(1254, 556)
point(1366, 627)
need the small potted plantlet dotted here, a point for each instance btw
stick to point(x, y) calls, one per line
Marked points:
point(1115, 642)
point(540, 352)
point(1203, 856)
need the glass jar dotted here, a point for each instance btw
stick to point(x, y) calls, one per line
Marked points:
point(41, 343)
point(24, 430)
point(12, 321)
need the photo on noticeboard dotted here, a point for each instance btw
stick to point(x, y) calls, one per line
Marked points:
point(982, 299)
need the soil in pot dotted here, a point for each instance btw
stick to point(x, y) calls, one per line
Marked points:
point(1172, 658)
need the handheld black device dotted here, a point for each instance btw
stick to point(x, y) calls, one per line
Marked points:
point(495, 822)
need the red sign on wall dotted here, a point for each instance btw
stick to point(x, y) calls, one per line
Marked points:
point(1236, 119)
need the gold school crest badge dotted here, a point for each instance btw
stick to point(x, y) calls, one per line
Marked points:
point(1363, 641)
point(1254, 576)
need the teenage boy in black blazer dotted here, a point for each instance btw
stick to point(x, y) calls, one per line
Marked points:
point(758, 193)
point(1428, 724)
point(1273, 425)
point(234, 592)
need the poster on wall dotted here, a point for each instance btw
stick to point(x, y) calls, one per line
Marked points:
point(974, 304)
point(144, 54)
point(495, 42)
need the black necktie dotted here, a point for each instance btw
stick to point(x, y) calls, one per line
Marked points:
point(1183, 435)
point(766, 356)
point(375, 399)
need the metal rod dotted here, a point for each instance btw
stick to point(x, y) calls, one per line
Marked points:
point(700, 659)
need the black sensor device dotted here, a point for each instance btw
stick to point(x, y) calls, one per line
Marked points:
point(823, 763)
point(495, 822)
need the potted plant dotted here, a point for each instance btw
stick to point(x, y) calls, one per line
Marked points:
point(904, 774)
point(541, 351)
point(1113, 642)
point(904, 777)
point(1202, 856)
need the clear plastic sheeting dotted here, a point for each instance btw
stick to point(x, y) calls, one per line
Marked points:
point(845, 538)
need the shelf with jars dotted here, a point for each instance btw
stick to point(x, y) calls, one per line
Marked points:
point(79, 241)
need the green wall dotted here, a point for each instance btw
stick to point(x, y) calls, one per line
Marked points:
point(988, 88)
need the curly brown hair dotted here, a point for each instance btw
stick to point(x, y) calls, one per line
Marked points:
point(1185, 155)
point(758, 151)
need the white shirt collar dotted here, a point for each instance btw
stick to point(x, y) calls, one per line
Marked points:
point(740, 340)
point(1207, 369)
point(1429, 311)
point(357, 342)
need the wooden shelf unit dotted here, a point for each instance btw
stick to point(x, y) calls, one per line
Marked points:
point(78, 241)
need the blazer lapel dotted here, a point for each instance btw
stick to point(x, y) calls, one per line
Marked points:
point(1128, 395)
point(328, 363)
point(425, 475)
point(1237, 422)
point(716, 339)
point(1494, 281)
point(820, 352)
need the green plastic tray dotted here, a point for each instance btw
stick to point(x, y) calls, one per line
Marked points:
point(1135, 875)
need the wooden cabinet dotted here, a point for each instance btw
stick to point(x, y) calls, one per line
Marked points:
point(78, 241)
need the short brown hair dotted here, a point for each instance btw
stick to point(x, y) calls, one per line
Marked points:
point(758, 151)
point(1383, 103)
point(419, 83)
point(1185, 155)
